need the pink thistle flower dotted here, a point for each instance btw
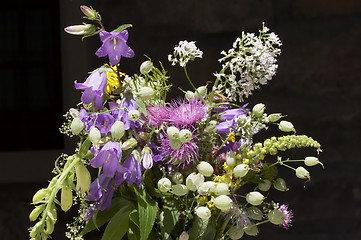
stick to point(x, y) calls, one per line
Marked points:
point(183, 156)
point(185, 113)
point(287, 216)
point(157, 115)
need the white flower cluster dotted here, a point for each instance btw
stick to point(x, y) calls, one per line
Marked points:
point(250, 63)
point(184, 52)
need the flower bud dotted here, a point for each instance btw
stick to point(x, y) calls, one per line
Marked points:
point(94, 135)
point(84, 29)
point(221, 189)
point(146, 67)
point(117, 130)
point(258, 110)
point(185, 135)
point(179, 189)
point(231, 158)
point(201, 92)
point(36, 229)
point(254, 198)
point(251, 229)
point(205, 168)
point(206, 188)
point(130, 143)
point(265, 185)
point(190, 95)
point(280, 185)
point(66, 198)
point(146, 93)
point(276, 217)
point(286, 126)
point(241, 170)
point(76, 126)
point(88, 12)
point(302, 173)
point(184, 236)
point(312, 161)
point(164, 185)
point(203, 213)
point(39, 195)
point(147, 159)
point(83, 178)
point(223, 203)
point(177, 177)
point(254, 213)
point(193, 181)
point(235, 232)
point(274, 117)
point(173, 132)
point(175, 143)
point(36, 212)
point(133, 115)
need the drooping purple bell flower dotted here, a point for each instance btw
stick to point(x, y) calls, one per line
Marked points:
point(94, 88)
point(115, 46)
point(230, 116)
point(129, 171)
point(101, 190)
point(108, 157)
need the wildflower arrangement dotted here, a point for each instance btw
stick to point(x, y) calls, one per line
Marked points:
point(145, 168)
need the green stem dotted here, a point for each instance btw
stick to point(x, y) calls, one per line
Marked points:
point(224, 225)
point(189, 80)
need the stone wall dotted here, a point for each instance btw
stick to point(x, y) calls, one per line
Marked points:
point(318, 85)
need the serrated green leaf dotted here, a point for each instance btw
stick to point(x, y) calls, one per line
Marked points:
point(122, 27)
point(118, 225)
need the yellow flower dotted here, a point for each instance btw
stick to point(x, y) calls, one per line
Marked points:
point(210, 203)
point(113, 81)
point(201, 200)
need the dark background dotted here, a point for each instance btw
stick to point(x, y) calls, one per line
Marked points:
point(318, 85)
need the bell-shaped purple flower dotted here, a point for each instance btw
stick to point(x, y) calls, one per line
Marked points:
point(121, 112)
point(108, 157)
point(94, 88)
point(115, 46)
point(101, 190)
point(230, 117)
point(129, 171)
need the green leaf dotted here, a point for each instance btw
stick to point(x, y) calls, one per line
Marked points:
point(118, 225)
point(101, 217)
point(198, 228)
point(141, 106)
point(122, 27)
point(84, 147)
point(210, 232)
point(170, 219)
point(133, 231)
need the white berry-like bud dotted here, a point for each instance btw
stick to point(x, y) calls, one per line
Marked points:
point(179, 189)
point(203, 213)
point(254, 213)
point(280, 185)
point(117, 130)
point(94, 135)
point(276, 217)
point(231, 159)
point(265, 185)
point(146, 93)
point(164, 185)
point(254, 198)
point(133, 115)
point(173, 132)
point(175, 143)
point(221, 189)
point(241, 170)
point(205, 168)
point(76, 126)
point(207, 187)
point(223, 203)
point(286, 126)
point(258, 109)
point(177, 177)
point(274, 117)
point(302, 173)
point(185, 135)
point(312, 161)
point(146, 67)
point(193, 181)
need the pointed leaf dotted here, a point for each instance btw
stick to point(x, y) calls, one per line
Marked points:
point(118, 225)
point(141, 106)
point(122, 27)
point(198, 228)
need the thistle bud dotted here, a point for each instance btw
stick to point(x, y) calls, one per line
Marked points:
point(184, 236)
point(274, 117)
point(177, 177)
point(133, 115)
point(231, 158)
point(302, 173)
point(258, 110)
point(88, 12)
point(203, 213)
point(84, 29)
point(223, 203)
point(280, 185)
point(312, 161)
point(76, 126)
point(254, 198)
point(164, 185)
point(193, 181)
point(94, 135)
point(221, 189)
point(173, 132)
point(255, 213)
point(205, 168)
point(117, 130)
point(146, 67)
point(265, 185)
point(276, 217)
point(286, 126)
point(83, 178)
point(235, 232)
point(241, 170)
point(146, 93)
point(185, 135)
point(66, 198)
point(130, 143)
point(179, 189)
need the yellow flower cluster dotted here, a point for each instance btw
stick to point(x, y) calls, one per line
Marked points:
point(113, 80)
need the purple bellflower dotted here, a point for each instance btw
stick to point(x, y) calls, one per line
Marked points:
point(230, 116)
point(108, 157)
point(121, 112)
point(94, 88)
point(129, 171)
point(115, 46)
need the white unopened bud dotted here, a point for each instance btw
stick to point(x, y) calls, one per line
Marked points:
point(117, 130)
point(207, 187)
point(80, 29)
point(88, 12)
point(265, 185)
point(286, 126)
point(173, 132)
point(201, 92)
point(177, 177)
point(185, 135)
point(130, 143)
point(146, 93)
point(76, 126)
point(94, 135)
point(184, 236)
point(274, 117)
point(146, 67)
point(164, 185)
point(205, 168)
point(258, 110)
point(175, 143)
point(231, 159)
point(203, 213)
point(193, 181)
point(312, 161)
point(254, 198)
point(241, 170)
point(179, 189)
point(133, 115)
point(302, 173)
point(221, 189)
point(223, 203)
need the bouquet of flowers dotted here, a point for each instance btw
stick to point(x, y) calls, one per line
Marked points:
point(145, 168)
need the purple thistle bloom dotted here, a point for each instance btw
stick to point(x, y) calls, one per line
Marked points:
point(157, 115)
point(287, 216)
point(108, 157)
point(183, 156)
point(94, 88)
point(185, 113)
point(115, 46)
point(130, 171)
